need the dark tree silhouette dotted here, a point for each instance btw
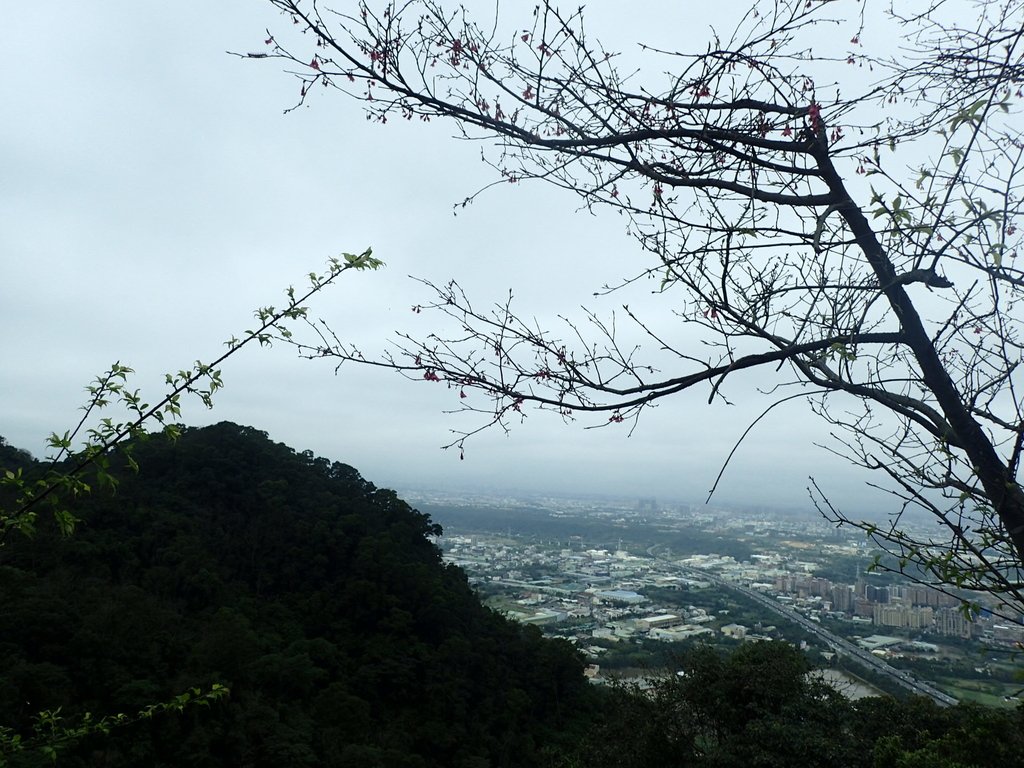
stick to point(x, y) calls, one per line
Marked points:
point(847, 216)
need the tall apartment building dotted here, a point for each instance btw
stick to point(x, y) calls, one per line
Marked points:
point(915, 594)
point(903, 616)
point(876, 594)
point(951, 622)
point(842, 598)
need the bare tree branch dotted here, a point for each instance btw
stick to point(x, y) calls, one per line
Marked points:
point(847, 220)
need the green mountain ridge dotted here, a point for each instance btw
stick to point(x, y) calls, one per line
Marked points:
point(316, 597)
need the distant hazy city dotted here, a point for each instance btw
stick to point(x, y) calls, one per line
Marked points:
point(628, 581)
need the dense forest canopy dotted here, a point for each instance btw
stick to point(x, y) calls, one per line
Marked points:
point(316, 597)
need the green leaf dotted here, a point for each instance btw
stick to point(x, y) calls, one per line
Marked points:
point(364, 260)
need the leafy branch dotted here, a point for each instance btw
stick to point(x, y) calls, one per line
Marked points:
point(52, 732)
point(65, 475)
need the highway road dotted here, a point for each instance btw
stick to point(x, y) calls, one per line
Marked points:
point(835, 643)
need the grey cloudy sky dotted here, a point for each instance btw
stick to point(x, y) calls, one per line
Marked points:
point(154, 194)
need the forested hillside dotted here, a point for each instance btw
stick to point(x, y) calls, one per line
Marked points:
point(320, 601)
point(314, 596)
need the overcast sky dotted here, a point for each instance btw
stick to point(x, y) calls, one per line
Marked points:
point(155, 194)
